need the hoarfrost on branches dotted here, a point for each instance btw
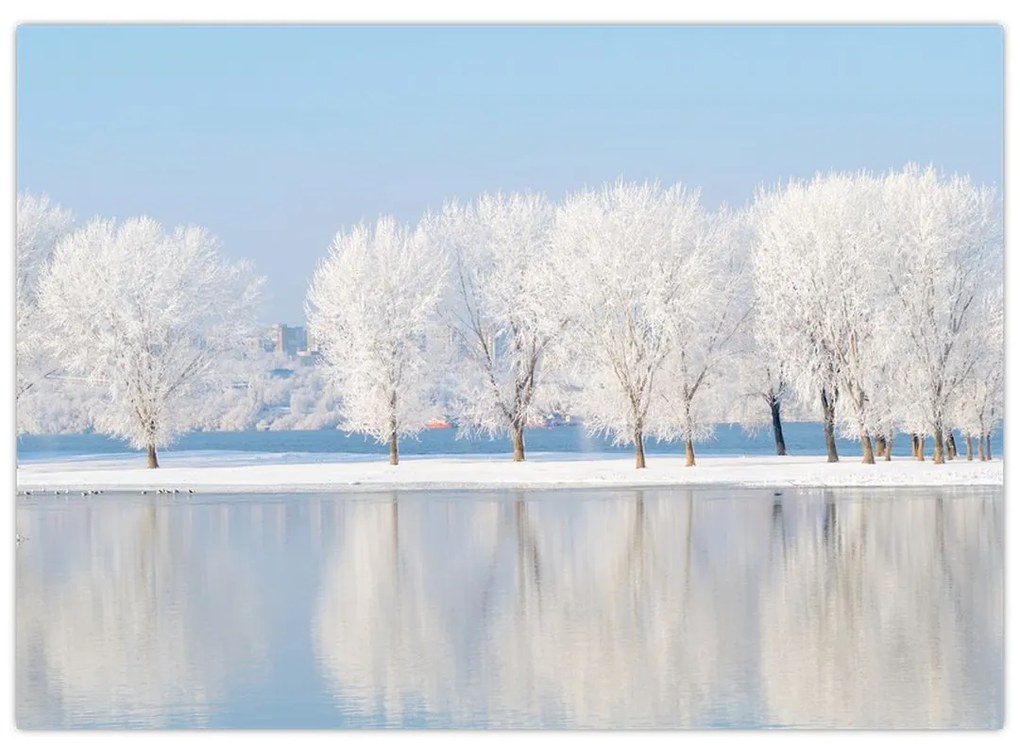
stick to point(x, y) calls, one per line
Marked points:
point(146, 317)
point(761, 381)
point(944, 257)
point(816, 279)
point(712, 290)
point(618, 260)
point(40, 225)
point(499, 254)
point(874, 300)
point(979, 406)
point(372, 309)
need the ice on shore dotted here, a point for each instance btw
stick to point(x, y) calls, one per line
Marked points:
point(264, 473)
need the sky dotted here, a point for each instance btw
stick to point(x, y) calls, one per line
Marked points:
point(275, 138)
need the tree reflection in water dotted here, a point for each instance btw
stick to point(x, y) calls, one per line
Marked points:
point(666, 610)
point(686, 608)
point(131, 612)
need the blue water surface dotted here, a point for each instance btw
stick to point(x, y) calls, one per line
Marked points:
point(802, 438)
point(686, 607)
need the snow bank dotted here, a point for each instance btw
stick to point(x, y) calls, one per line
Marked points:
point(255, 473)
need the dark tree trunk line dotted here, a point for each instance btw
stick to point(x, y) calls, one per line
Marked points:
point(394, 454)
point(777, 427)
point(150, 428)
point(829, 426)
point(639, 447)
point(950, 445)
point(970, 447)
point(689, 442)
point(524, 391)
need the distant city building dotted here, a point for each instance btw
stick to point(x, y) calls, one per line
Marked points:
point(294, 341)
point(289, 339)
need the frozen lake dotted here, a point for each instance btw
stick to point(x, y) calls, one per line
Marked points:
point(706, 607)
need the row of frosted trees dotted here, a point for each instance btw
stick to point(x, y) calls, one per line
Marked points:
point(875, 299)
point(873, 302)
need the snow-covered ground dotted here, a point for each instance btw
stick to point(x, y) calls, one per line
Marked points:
point(250, 473)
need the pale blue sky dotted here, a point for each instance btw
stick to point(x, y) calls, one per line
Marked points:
point(276, 137)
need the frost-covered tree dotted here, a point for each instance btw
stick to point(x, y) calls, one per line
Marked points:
point(712, 293)
point(978, 400)
point(886, 397)
point(817, 281)
point(146, 317)
point(40, 225)
point(617, 258)
point(372, 308)
point(944, 252)
point(498, 250)
point(760, 377)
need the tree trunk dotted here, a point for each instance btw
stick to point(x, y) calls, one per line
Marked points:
point(867, 453)
point(150, 452)
point(981, 448)
point(879, 445)
point(970, 448)
point(950, 445)
point(639, 448)
point(394, 455)
point(913, 446)
point(920, 447)
point(518, 437)
point(829, 416)
point(889, 439)
point(689, 451)
point(988, 446)
point(777, 428)
point(939, 455)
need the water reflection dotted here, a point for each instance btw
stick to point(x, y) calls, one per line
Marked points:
point(129, 613)
point(893, 617)
point(640, 609)
point(667, 610)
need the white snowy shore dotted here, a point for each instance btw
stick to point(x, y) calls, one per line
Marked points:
point(262, 473)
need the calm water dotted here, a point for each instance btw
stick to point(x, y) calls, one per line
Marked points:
point(802, 438)
point(689, 608)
